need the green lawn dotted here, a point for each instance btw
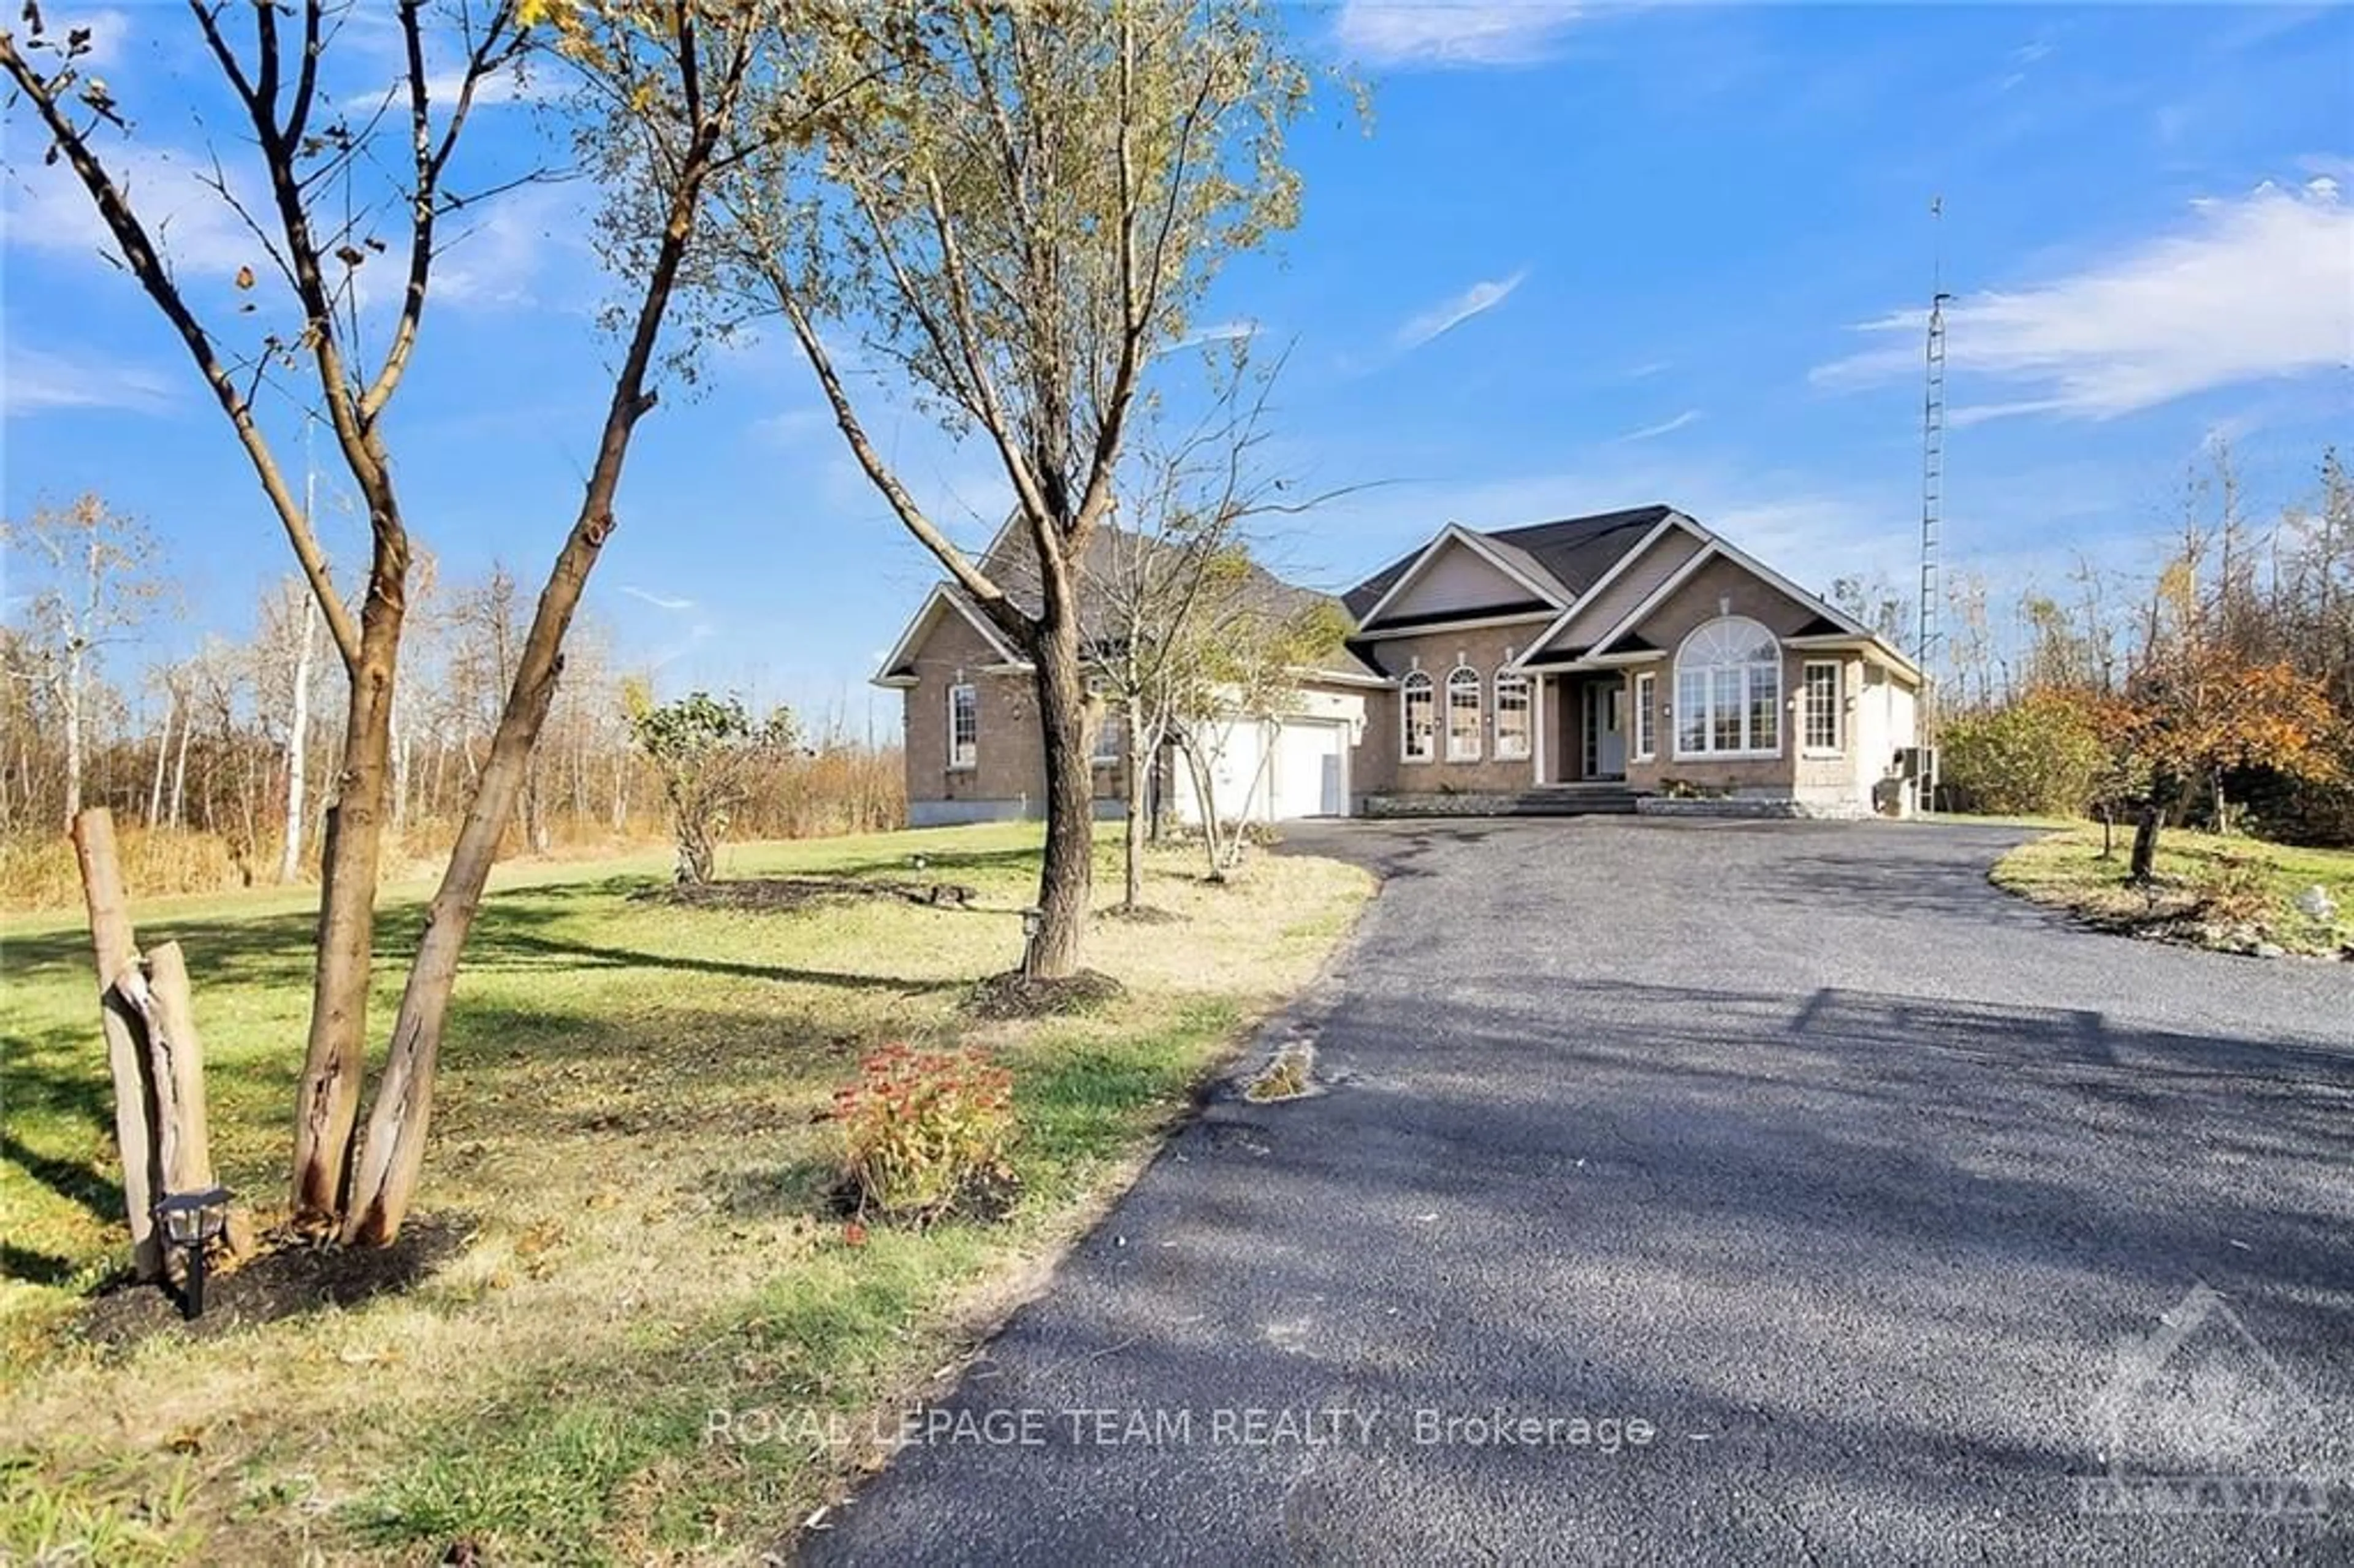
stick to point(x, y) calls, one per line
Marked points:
point(2226, 892)
point(629, 1113)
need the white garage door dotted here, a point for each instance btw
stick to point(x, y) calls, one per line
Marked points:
point(1310, 771)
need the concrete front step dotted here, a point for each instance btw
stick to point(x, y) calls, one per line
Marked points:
point(1577, 801)
point(1551, 800)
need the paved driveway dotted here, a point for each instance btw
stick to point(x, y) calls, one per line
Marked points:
point(1845, 1174)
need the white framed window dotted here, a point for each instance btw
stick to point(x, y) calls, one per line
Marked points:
point(1647, 716)
point(1729, 690)
point(1463, 715)
point(1821, 732)
point(1511, 715)
point(1418, 706)
point(964, 725)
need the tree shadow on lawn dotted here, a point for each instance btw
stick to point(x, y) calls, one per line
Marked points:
point(514, 951)
point(935, 862)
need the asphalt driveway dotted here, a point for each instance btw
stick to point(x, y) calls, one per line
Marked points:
point(1850, 1181)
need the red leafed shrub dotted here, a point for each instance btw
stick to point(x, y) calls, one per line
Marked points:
point(924, 1134)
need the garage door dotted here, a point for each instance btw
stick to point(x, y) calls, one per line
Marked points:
point(1310, 771)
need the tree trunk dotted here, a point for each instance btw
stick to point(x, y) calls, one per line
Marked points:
point(116, 952)
point(1132, 830)
point(2145, 844)
point(180, 771)
point(1205, 797)
point(327, 1100)
point(163, 755)
point(394, 1153)
point(1066, 878)
point(73, 730)
point(399, 769)
point(298, 737)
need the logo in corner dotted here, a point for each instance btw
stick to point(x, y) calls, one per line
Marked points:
point(2198, 1417)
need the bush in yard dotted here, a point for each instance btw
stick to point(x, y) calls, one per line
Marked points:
point(2041, 755)
point(925, 1134)
point(2234, 891)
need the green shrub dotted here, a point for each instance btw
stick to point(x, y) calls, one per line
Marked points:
point(2040, 756)
point(925, 1134)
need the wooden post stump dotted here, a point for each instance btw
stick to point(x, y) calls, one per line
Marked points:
point(152, 1052)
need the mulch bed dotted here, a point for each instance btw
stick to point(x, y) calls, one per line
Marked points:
point(781, 893)
point(292, 1275)
point(1143, 914)
point(1016, 995)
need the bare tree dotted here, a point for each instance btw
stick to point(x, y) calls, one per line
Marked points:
point(98, 582)
point(1022, 209)
point(1186, 626)
point(293, 644)
point(318, 229)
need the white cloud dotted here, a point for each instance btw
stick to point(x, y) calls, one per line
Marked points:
point(496, 259)
point(33, 381)
point(790, 426)
point(660, 601)
point(1443, 33)
point(1451, 313)
point(2253, 289)
point(1665, 427)
point(514, 82)
point(44, 208)
point(491, 253)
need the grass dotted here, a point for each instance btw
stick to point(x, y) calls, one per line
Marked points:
point(2228, 893)
point(629, 1100)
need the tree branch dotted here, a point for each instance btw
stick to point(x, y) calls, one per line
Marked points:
point(146, 264)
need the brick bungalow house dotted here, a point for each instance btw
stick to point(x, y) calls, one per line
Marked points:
point(1628, 660)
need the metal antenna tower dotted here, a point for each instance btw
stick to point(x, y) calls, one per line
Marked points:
point(1933, 495)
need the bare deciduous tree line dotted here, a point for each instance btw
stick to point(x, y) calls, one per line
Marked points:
point(228, 749)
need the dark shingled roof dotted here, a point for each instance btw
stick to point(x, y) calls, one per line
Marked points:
point(1016, 570)
point(1569, 554)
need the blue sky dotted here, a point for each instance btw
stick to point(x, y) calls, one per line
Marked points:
point(1583, 259)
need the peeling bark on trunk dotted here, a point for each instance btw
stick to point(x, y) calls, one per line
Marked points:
point(116, 951)
point(327, 1100)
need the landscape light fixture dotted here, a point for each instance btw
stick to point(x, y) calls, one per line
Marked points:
point(1034, 920)
point(189, 1221)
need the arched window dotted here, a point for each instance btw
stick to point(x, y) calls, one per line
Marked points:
point(1463, 715)
point(1511, 716)
point(1420, 732)
point(1729, 690)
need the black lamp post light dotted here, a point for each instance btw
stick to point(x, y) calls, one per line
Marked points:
point(189, 1221)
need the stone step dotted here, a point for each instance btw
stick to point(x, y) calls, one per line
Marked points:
point(1547, 801)
point(1585, 800)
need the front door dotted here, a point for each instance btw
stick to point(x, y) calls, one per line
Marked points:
point(1605, 736)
